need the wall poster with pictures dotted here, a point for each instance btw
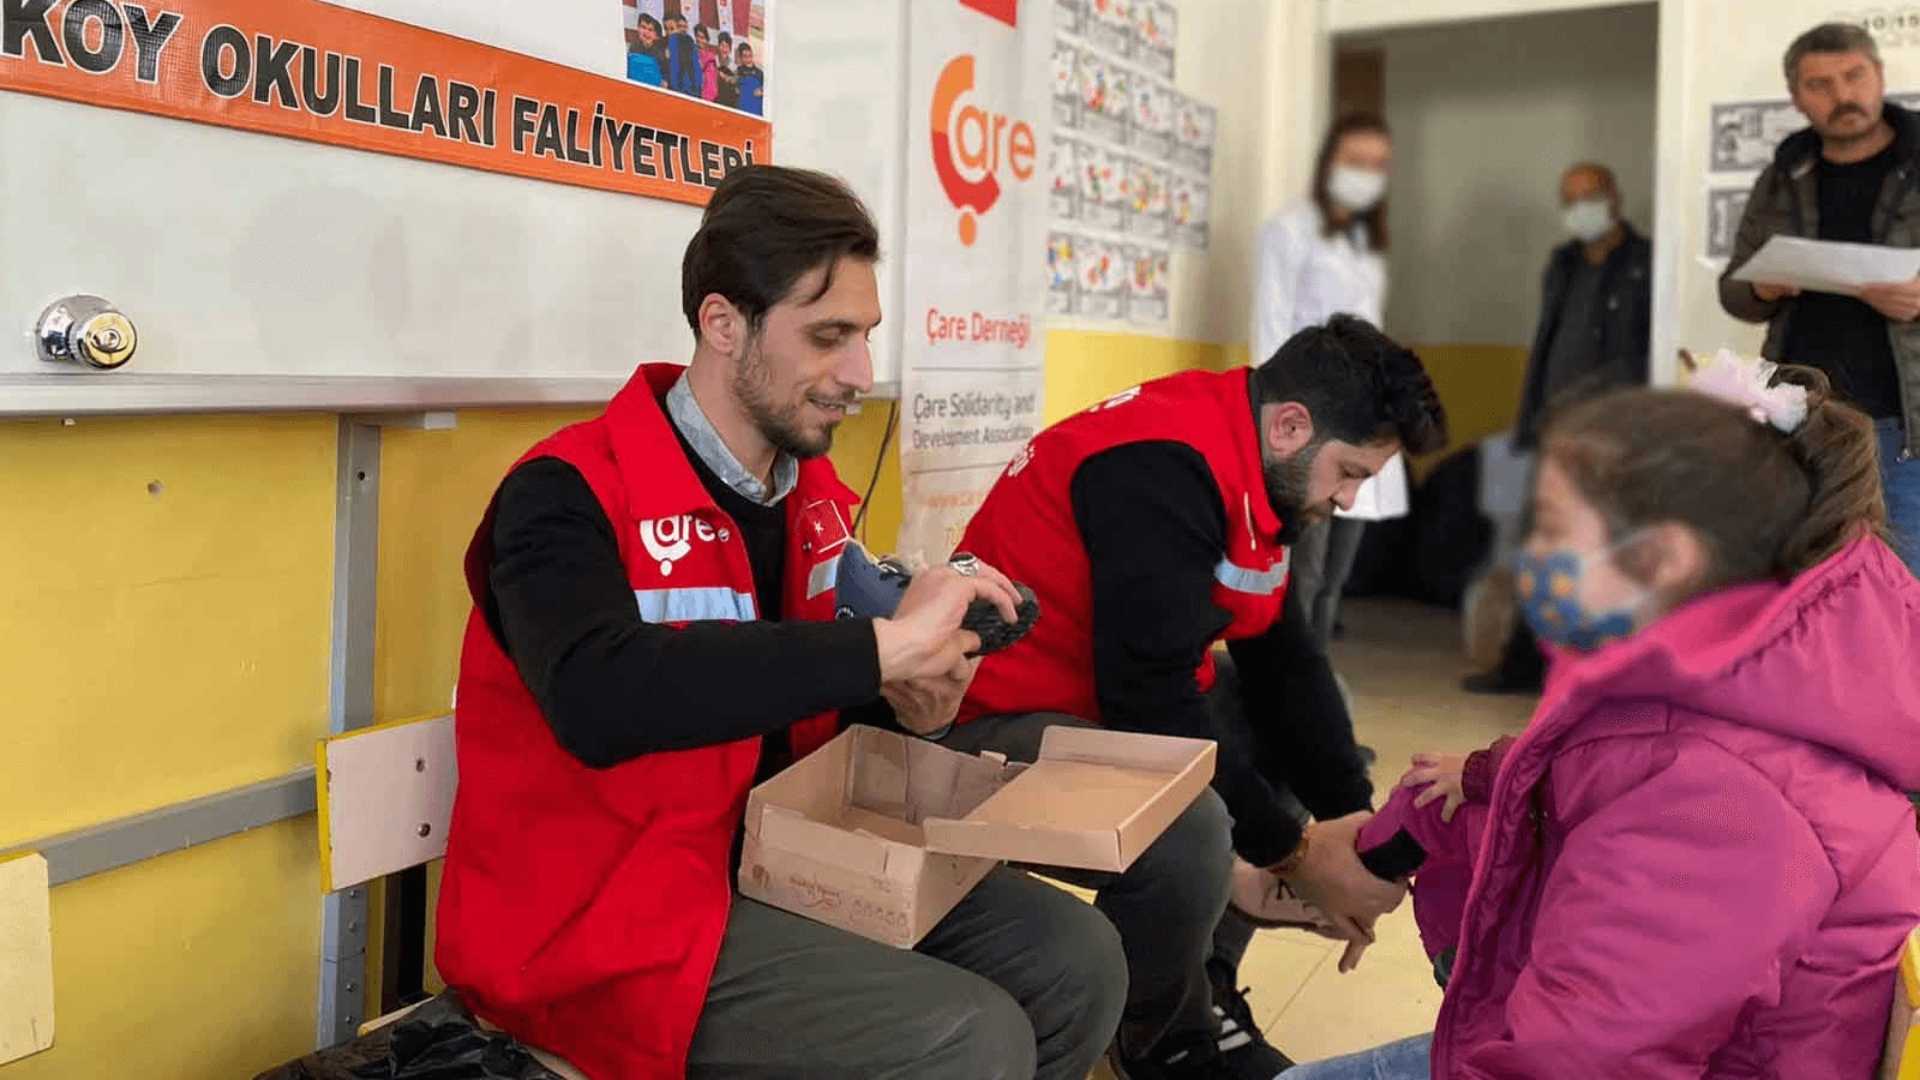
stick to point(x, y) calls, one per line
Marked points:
point(1148, 269)
point(1063, 176)
point(1062, 272)
point(1155, 23)
point(1129, 165)
point(1148, 198)
point(712, 50)
point(1068, 15)
point(1109, 26)
point(1100, 278)
point(1066, 85)
point(1189, 198)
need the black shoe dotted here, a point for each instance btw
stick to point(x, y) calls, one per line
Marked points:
point(1495, 682)
point(1239, 1052)
point(1245, 1053)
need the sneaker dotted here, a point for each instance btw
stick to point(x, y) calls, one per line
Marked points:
point(1239, 1052)
point(1244, 1051)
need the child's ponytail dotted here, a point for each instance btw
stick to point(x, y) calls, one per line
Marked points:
point(1838, 448)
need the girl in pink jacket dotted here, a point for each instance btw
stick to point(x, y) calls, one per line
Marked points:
point(1697, 861)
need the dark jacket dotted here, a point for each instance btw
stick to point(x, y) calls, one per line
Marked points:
point(683, 65)
point(1786, 199)
point(1624, 328)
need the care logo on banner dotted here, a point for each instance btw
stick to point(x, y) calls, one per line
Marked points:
point(972, 374)
point(970, 145)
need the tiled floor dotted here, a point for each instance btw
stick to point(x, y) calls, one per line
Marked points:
point(1404, 665)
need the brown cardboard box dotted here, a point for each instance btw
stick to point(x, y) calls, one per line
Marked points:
point(882, 834)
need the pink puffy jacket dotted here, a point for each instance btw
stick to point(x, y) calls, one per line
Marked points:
point(1697, 861)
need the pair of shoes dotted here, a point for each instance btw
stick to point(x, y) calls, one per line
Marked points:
point(1239, 1052)
point(1494, 682)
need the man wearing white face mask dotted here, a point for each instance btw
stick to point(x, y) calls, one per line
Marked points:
point(1596, 318)
point(1319, 257)
point(1596, 312)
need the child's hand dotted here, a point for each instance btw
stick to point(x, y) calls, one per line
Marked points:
point(1442, 774)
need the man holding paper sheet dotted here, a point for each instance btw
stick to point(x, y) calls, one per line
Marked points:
point(1802, 263)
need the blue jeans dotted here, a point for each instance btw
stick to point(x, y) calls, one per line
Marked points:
point(1902, 480)
point(1409, 1059)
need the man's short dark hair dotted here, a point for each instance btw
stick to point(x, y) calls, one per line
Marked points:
point(1360, 386)
point(765, 228)
point(1833, 37)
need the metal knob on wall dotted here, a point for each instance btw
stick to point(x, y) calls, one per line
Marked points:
point(85, 330)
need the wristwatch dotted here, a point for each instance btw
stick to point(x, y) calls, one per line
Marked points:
point(1291, 863)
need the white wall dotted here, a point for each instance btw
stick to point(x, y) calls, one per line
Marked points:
point(1485, 116)
point(241, 253)
point(1721, 51)
point(1256, 61)
point(1354, 15)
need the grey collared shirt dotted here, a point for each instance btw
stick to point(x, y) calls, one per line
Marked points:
point(705, 440)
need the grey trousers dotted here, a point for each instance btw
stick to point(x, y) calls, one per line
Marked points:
point(1020, 980)
point(1322, 563)
point(1165, 905)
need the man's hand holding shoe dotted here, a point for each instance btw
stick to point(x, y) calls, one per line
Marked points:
point(924, 669)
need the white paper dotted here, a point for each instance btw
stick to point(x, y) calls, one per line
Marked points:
point(1828, 265)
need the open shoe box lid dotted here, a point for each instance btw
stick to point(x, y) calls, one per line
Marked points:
point(1093, 800)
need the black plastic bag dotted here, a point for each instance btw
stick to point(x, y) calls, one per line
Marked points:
point(438, 1041)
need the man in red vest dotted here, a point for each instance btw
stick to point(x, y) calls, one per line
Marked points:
point(1153, 526)
point(653, 632)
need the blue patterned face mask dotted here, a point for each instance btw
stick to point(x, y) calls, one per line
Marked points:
point(1549, 589)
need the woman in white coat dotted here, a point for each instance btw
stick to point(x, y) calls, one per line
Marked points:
point(1321, 256)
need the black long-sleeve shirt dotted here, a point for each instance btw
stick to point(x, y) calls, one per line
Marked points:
point(1150, 515)
point(613, 686)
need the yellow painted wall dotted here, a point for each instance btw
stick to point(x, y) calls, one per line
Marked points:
point(161, 645)
point(1480, 387)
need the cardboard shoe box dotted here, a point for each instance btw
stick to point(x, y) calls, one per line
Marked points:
point(881, 834)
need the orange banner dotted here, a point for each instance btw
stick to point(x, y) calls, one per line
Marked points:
point(309, 70)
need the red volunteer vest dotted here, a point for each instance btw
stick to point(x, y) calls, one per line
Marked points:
point(1026, 528)
point(581, 909)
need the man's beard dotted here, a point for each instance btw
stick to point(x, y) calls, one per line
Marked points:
point(779, 422)
point(1287, 483)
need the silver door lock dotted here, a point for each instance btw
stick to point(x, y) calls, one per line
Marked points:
point(85, 330)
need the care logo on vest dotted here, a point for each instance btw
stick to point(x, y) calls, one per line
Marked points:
point(1021, 460)
point(1118, 399)
point(670, 539)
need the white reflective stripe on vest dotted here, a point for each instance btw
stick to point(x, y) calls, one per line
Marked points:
point(1258, 582)
point(823, 576)
point(695, 604)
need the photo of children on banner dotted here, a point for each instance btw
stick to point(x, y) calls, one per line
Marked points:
point(704, 49)
point(1062, 273)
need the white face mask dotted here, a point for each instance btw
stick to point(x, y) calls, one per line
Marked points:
point(1589, 219)
point(1355, 190)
